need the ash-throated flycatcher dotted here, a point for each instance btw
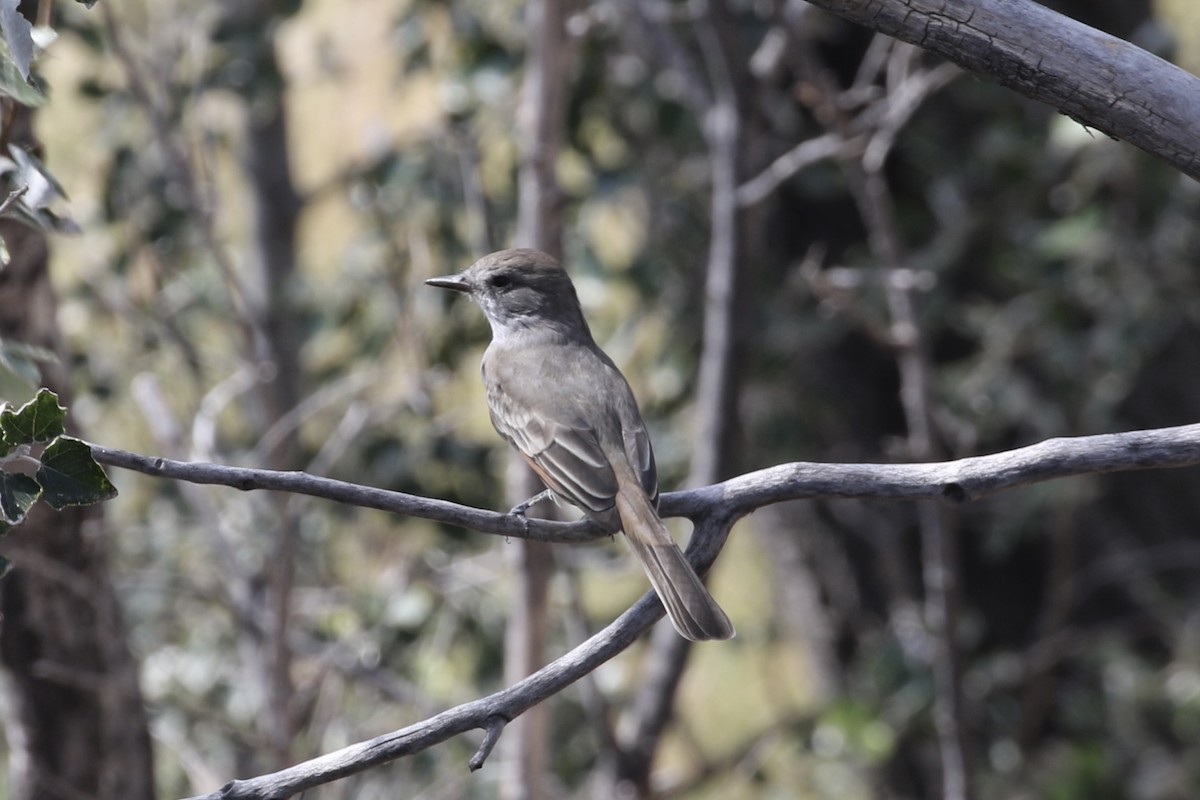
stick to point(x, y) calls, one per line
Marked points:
point(557, 398)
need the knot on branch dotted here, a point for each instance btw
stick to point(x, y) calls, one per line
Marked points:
point(954, 492)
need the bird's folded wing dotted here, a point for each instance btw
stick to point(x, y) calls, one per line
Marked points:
point(569, 460)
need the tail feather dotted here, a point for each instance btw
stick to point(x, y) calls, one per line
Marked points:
point(693, 611)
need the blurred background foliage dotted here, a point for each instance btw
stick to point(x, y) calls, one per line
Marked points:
point(1060, 296)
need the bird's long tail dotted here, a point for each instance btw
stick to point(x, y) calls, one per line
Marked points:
point(693, 611)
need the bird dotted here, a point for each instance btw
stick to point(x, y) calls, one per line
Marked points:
point(561, 402)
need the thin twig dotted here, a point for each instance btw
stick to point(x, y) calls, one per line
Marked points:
point(492, 729)
point(178, 167)
point(907, 87)
point(13, 197)
point(800, 157)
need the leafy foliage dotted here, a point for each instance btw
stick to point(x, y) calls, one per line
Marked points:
point(18, 493)
point(18, 36)
point(32, 189)
point(39, 420)
point(67, 475)
point(14, 82)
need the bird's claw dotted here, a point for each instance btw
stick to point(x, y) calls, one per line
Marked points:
point(520, 508)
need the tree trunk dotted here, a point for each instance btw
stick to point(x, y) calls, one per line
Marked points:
point(78, 728)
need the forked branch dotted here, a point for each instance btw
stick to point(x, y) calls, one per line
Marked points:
point(713, 509)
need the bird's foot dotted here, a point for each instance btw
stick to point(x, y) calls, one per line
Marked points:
point(520, 508)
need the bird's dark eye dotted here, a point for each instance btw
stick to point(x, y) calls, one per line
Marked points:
point(500, 281)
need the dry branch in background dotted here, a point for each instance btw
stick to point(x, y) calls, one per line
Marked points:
point(1103, 82)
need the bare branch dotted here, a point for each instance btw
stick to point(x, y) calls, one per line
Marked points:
point(1103, 82)
point(714, 509)
point(13, 197)
point(958, 481)
point(805, 154)
point(487, 713)
point(247, 479)
point(899, 107)
point(180, 171)
point(507, 704)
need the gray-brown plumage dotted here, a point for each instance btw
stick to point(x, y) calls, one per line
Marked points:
point(563, 404)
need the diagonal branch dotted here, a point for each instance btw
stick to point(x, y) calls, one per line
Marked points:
point(485, 713)
point(805, 154)
point(490, 713)
point(1103, 82)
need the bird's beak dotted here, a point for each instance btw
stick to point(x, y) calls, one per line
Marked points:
point(456, 282)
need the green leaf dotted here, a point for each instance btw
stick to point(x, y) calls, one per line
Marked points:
point(5, 566)
point(13, 83)
point(21, 362)
point(41, 192)
point(39, 420)
point(44, 188)
point(18, 35)
point(71, 477)
point(18, 493)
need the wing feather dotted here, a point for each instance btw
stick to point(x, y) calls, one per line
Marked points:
point(569, 459)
